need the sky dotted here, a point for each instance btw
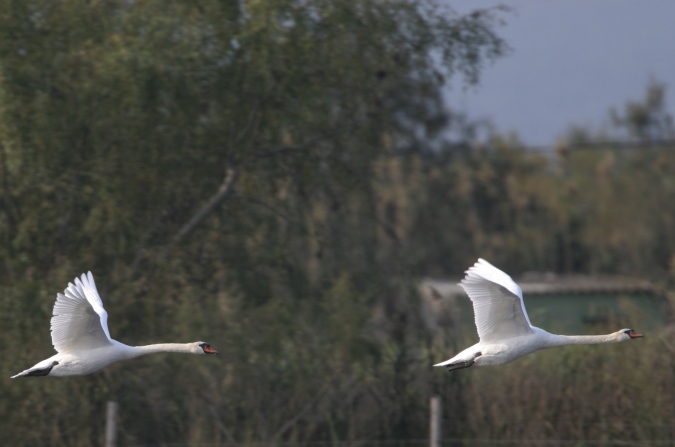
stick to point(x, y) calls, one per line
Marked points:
point(570, 62)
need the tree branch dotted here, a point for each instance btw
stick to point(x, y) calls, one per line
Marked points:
point(223, 192)
point(291, 422)
point(217, 418)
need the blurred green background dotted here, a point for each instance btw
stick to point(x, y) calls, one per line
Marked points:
point(275, 177)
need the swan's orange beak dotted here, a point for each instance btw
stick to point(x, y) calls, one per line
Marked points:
point(209, 350)
point(633, 334)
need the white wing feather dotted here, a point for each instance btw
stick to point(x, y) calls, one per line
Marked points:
point(79, 320)
point(497, 303)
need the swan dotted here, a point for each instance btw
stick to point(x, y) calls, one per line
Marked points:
point(504, 328)
point(81, 338)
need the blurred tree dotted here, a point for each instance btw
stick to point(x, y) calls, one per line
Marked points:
point(213, 164)
point(647, 119)
point(273, 175)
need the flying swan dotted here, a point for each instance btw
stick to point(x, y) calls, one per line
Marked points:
point(80, 335)
point(504, 328)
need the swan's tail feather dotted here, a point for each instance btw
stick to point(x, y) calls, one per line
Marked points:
point(36, 372)
point(447, 362)
point(32, 373)
point(21, 374)
point(455, 363)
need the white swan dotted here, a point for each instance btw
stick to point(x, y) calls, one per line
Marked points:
point(80, 335)
point(504, 328)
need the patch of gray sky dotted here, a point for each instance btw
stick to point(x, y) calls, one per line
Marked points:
point(571, 61)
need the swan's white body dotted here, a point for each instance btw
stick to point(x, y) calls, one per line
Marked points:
point(81, 338)
point(504, 328)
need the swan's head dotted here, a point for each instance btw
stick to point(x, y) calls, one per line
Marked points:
point(629, 334)
point(202, 347)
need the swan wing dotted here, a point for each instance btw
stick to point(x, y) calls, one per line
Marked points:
point(79, 320)
point(497, 303)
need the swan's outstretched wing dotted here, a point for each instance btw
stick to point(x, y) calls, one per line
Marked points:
point(79, 320)
point(497, 303)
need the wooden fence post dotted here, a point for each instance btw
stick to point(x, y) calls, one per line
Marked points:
point(111, 424)
point(435, 421)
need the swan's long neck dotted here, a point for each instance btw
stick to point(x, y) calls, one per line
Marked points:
point(564, 340)
point(138, 351)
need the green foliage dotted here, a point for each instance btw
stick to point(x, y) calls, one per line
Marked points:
point(120, 121)
point(598, 210)
point(591, 393)
point(648, 119)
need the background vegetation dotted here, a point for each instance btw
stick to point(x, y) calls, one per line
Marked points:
point(272, 177)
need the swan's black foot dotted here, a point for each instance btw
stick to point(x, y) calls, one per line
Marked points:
point(465, 364)
point(41, 372)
